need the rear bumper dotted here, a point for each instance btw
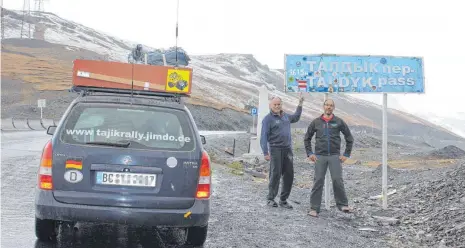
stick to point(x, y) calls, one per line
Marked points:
point(46, 207)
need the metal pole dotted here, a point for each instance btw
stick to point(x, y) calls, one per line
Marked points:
point(327, 180)
point(40, 112)
point(234, 147)
point(3, 23)
point(384, 150)
point(253, 123)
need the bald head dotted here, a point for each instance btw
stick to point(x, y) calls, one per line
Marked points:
point(329, 106)
point(329, 101)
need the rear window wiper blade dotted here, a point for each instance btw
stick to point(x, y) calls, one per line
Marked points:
point(125, 144)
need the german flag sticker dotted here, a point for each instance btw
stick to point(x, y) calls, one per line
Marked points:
point(73, 164)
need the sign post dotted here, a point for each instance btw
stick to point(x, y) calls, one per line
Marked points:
point(384, 180)
point(41, 105)
point(357, 74)
point(253, 112)
point(327, 184)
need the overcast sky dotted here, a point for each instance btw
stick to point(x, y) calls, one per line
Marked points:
point(269, 29)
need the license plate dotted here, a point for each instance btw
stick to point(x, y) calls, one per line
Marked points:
point(126, 179)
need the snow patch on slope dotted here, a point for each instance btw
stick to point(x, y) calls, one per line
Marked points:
point(61, 31)
point(233, 79)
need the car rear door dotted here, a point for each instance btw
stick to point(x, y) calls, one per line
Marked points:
point(126, 155)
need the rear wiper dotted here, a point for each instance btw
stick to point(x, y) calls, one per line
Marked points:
point(126, 144)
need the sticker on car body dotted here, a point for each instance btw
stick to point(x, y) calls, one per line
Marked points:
point(171, 162)
point(73, 164)
point(73, 176)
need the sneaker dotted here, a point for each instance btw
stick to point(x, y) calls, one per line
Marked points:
point(272, 203)
point(285, 205)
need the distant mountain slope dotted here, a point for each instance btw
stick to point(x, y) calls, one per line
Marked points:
point(231, 79)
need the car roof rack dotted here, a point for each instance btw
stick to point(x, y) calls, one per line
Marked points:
point(88, 90)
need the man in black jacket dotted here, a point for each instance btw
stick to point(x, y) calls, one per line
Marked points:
point(327, 129)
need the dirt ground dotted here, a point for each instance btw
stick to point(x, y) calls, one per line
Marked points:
point(409, 221)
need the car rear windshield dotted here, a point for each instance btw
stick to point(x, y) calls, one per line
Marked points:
point(139, 127)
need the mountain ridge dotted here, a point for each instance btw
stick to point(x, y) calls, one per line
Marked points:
point(230, 78)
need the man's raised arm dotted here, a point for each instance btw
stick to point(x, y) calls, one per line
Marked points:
point(298, 112)
point(296, 116)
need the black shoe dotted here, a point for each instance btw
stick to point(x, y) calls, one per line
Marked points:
point(285, 205)
point(272, 203)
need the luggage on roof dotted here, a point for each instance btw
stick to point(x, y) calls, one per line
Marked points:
point(173, 56)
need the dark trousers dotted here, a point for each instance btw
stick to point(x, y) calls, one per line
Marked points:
point(335, 167)
point(281, 165)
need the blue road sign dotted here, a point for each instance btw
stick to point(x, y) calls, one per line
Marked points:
point(253, 111)
point(354, 74)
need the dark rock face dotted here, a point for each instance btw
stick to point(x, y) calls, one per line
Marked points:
point(451, 152)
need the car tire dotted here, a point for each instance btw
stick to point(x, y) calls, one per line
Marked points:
point(196, 235)
point(45, 230)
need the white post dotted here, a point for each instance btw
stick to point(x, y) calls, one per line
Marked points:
point(41, 104)
point(384, 193)
point(263, 110)
point(327, 181)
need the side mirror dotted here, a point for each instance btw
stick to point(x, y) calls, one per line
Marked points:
point(51, 130)
point(204, 141)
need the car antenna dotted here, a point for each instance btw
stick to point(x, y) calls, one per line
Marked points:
point(132, 80)
point(177, 21)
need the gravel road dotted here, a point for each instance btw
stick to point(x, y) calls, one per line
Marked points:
point(424, 210)
point(239, 216)
point(242, 219)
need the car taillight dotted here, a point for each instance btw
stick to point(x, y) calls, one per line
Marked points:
point(45, 168)
point(203, 188)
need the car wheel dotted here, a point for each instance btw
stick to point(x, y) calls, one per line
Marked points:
point(45, 230)
point(196, 235)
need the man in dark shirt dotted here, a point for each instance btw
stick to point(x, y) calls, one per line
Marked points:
point(276, 136)
point(327, 129)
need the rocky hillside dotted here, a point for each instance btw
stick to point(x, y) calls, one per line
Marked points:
point(229, 80)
